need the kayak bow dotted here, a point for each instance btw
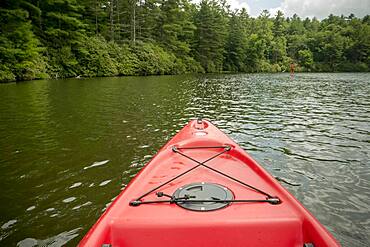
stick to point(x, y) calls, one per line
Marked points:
point(202, 189)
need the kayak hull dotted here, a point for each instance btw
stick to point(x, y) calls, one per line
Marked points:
point(287, 223)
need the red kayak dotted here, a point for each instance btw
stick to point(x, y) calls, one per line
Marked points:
point(202, 189)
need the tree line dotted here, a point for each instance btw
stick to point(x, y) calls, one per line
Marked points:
point(69, 38)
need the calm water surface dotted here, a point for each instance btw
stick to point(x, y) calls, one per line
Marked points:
point(68, 147)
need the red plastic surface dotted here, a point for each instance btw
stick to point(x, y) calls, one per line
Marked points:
point(239, 224)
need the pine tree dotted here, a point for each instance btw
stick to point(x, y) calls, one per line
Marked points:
point(210, 35)
point(20, 51)
point(236, 43)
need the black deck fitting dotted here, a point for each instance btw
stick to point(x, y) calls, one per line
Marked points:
point(135, 203)
point(274, 200)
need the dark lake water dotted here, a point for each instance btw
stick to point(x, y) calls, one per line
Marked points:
point(68, 147)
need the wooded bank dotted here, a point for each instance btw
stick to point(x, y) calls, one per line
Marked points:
point(69, 38)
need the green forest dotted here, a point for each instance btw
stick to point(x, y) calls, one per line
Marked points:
point(87, 38)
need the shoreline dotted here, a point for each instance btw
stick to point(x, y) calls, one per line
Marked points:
point(183, 74)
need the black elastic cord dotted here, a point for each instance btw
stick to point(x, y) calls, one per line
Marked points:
point(185, 172)
point(137, 202)
point(200, 147)
point(176, 150)
point(182, 200)
point(223, 174)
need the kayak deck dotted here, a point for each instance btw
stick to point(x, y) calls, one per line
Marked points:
point(286, 223)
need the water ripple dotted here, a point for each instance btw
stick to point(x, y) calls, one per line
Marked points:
point(97, 163)
point(312, 133)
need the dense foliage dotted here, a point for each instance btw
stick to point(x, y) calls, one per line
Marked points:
point(68, 38)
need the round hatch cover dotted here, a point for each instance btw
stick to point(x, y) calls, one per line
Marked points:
point(203, 191)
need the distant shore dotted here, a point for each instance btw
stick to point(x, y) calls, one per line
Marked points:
point(72, 39)
point(219, 73)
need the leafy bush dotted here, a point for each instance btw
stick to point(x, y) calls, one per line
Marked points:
point(62, 63)
point(153, 59)
point(305, 59)
point(357, 67)
point(127, 63)
point(94, 59)
point(6, 74)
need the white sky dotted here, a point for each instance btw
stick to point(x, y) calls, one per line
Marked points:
point(304, 8)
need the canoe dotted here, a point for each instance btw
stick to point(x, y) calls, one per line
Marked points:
point(202, 189)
